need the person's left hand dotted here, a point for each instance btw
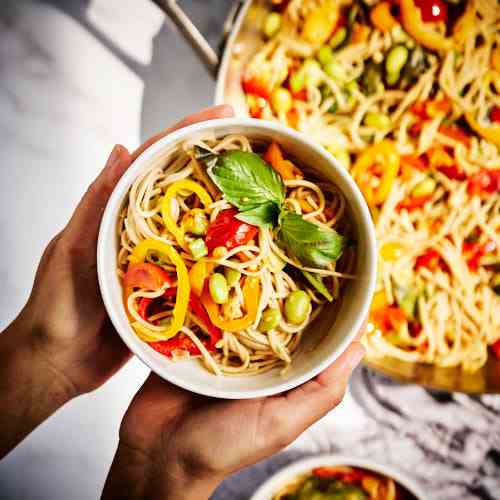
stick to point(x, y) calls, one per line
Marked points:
point(65, 315)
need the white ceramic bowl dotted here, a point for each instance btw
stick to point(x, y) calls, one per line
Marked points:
point(287, 474)
point(335, 329)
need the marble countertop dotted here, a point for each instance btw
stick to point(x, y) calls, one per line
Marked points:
point(78, 76)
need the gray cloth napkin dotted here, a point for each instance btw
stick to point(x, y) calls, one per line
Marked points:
point(449, 443)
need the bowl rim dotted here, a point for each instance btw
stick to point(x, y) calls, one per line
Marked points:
point(285, 474)
point(266, 127)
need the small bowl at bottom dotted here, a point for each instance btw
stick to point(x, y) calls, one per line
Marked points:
point(289, 473)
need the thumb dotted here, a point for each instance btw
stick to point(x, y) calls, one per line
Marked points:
point(84, 224)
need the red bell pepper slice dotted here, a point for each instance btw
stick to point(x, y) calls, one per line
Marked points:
point(256, 86)
point(215, 332)
point(496, 349)
point(418, 162)
point(455, 132)
point(183, 343)
point(354, 476)
point(414, 202)
point(432, 11)
point(431, 260)
point(453, 172)
point(484, 182)
point(229, 232)
point(495, 114)
point(476, 251)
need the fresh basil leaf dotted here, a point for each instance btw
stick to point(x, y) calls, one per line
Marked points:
point(247, 181)
point(309, 243)
point(265, 215)
point(317, 282)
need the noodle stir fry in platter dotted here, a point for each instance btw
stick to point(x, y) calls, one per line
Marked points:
point(406, 95)
point(228, 251)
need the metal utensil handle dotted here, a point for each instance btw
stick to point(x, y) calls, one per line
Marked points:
point(191, 33)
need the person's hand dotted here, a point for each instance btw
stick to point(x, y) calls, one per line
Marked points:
point(175, 444)
point(63, 338)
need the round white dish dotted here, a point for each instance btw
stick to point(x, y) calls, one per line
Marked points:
point(336, 326)
point(287, 474)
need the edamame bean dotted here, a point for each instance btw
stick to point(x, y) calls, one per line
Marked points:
point(272, 24)
point(297, 307)
point(198, 248)
point(380, 121)
point(335, 70)
point(281, 100)
point(270, 319)
point(217, 286)
point(195, 222)
point(394, 62)
point(232, 276)
point(297, 81)
point(424, 188)
point(324, 55)
point(312, 73)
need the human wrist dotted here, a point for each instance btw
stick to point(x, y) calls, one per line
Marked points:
point(137, 475)
point(30, 391)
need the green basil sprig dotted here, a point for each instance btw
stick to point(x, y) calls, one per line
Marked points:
point(257, 190)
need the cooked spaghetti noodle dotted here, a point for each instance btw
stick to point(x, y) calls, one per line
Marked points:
point(406, 94)
point(270, 293)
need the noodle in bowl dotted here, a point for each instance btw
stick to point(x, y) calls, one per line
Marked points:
point(279, 359)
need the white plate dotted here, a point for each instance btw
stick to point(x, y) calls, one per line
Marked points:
point(289, 473)
point(333, 330)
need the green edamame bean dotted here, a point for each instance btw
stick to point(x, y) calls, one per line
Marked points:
point(198, 248)
point(270, 319)
point(217, 285)
point(312, 72)
point(394, 62)
point(380, 121)
point(281, 100)
point(232, 276)
point(324, 55)
point(335, 70)
point(297, 81)
point(297, 307)
point(272, 24)
point(424, 188)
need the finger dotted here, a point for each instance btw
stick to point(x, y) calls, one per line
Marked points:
point(212, 113)
point(83, 227)
point(311, 401)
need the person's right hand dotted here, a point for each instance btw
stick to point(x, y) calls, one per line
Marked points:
point(178, 445)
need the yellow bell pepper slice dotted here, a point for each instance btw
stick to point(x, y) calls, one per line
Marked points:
point(166, 205)
point(198, 274)
point(413, 24)
point(251, 294)
point(379, 301)
point(183, 287)
point(385, 157)
point(491, 134)
point(320, 23)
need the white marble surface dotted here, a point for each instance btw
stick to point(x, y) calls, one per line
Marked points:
point(76, 77)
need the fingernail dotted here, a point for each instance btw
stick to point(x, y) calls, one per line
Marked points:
point(113, 157)
point(356, 354)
